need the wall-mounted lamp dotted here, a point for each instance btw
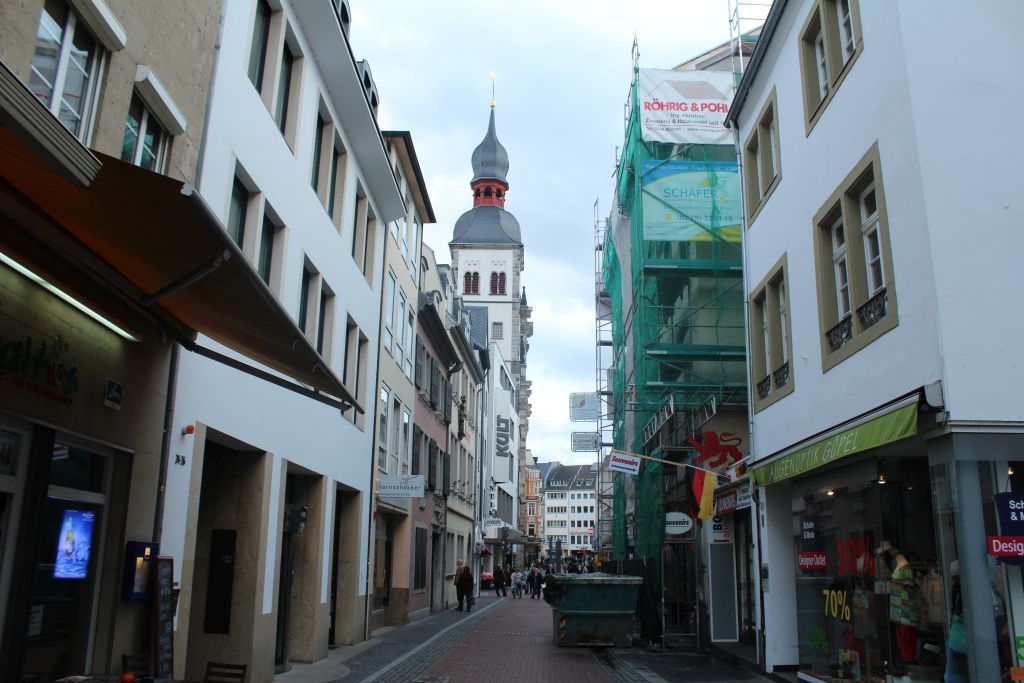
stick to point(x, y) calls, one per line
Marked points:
point(881, 478)
point(830, 492)
point(188, 430)
point(1009, 470)
point(881, 472)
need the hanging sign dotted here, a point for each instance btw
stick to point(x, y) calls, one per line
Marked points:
point(620, 462)
point(677, 523)
point(586, 441)
point(400, 485)
point(583, 407)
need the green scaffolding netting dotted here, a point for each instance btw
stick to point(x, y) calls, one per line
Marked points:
point(673, 271)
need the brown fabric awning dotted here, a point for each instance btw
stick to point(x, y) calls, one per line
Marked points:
point(173, 254)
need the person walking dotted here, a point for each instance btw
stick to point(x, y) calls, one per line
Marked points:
point(537, 579)
point(464, 585)
point(517, 583)
point(499, 582)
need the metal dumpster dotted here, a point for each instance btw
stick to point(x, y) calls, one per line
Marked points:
point(592, 610)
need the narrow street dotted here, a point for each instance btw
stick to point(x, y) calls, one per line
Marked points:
point(501, 640)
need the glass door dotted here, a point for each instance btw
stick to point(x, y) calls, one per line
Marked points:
point(12, 443)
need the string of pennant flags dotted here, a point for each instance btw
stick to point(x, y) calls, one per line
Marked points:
point(704, 482)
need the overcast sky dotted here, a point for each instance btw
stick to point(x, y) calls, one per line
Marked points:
point(563, 73)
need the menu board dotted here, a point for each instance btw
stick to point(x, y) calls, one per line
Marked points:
point(164, 607)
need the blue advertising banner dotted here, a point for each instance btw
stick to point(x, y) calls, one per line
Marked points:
point(74, 544)
point(690, 200)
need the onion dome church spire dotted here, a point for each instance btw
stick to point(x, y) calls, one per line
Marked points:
point(488, 222)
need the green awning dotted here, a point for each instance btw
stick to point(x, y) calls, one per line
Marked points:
point(895, 424)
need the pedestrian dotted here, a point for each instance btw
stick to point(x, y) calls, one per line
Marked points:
point(535, 588)
point(464, 585)
point(499, 582)
point(517, 583)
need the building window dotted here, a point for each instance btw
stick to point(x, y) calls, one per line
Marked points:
point(336, 181)
point(471, 283)
point(318, 143)
point(410, 330)
point(856, 300)
point(497, 283)
point(771, 334)
point(363, 235)
point(258, 49)
point(146, 143)
point(237, 212)
point(354, 368)
point(389, 311)
point(404, 448)
point(270, 234)
point(829, 44)
point(66, 65)
point(400, 328)
point(761, 167)
point(325, 322)
point(382, 427)
point(497, 331)
point(284, 88)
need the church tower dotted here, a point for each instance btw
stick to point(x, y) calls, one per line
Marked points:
point(487, 263)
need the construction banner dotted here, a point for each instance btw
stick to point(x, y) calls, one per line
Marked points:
point(690, 200)
point(685, 106)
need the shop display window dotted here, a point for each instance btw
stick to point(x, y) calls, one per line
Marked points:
point(869, 583)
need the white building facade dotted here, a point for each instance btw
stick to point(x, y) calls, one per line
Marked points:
point(886, 430)
point(295, 167)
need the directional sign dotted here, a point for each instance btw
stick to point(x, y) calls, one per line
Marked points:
point(586, 441)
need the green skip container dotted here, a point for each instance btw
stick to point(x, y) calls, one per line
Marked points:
point(593, 610)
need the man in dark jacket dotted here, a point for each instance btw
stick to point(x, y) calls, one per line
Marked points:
point(499, 582)
point(464, 585)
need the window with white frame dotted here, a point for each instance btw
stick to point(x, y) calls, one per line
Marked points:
point(237, 211)
point(497, 331)
point(761, 164)
point(410, 334)
point(399, 327)
point(146, 143)
point(829, 43)
point(770, 338)
point(851, 241)
point(260, 41)
point(406, 450)
point(394, 453)
point(389, 311)
point(66, 68)
point(382, 427)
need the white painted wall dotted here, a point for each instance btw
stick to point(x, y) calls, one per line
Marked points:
point(872, 104)
point(255, 412)
point(500, 308)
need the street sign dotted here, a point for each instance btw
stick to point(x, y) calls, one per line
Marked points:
point(583, 407)
point(586, 441)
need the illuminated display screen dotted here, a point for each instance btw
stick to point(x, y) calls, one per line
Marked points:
point(74, 543)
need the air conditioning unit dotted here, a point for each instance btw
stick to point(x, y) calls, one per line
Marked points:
point(344, 13)
point(369, 87)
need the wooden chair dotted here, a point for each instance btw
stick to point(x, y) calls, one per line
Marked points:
point(136, 663)
point(217, 672)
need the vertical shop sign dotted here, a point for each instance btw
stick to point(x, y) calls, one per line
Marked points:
point(721, 529)
point(1009, 545)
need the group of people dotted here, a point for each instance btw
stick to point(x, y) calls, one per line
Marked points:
point(529, 580)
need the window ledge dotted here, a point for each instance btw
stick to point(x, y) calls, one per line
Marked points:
point(156, 97)
point(102, 23)
point(765, 196)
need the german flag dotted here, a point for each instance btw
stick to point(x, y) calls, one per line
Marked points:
point(703, 486)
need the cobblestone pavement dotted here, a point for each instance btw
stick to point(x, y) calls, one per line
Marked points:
point(502, 640)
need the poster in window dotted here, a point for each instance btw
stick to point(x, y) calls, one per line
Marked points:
point(74, 544)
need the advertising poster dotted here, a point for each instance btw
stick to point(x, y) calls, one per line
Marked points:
point(74, 543)
point(685, 106)
point(691, 200)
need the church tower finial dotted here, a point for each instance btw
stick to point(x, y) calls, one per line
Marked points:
point(494, 102)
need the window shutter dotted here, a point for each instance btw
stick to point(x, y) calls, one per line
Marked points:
point(432, 464)
point(447, 481)
point(447, 402)
point(417, 437)
point(435, 382)
point(420, 358)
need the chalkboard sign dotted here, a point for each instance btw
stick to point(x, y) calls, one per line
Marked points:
point(164, 604)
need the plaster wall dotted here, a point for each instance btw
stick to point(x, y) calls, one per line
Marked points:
point(871, 105)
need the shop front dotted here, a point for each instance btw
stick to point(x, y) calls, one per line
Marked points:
point(731, 570)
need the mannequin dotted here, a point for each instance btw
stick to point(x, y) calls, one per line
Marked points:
point(902, 604)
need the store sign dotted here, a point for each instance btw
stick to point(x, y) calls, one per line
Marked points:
point(811, 560)
point(733, 500)
point(503, 436)
point(586, 441)
point(621, 462)
point(721, 529)
point(660, 418)
point(40, 367)
point(400, 486)
point(677, 523)
point(898, 424)
point(583, 407)
point(1009, 546)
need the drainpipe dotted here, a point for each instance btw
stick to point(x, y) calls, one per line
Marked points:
point(165, 446)
point(755, 497)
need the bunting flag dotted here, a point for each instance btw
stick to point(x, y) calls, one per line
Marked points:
point(704, 483)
